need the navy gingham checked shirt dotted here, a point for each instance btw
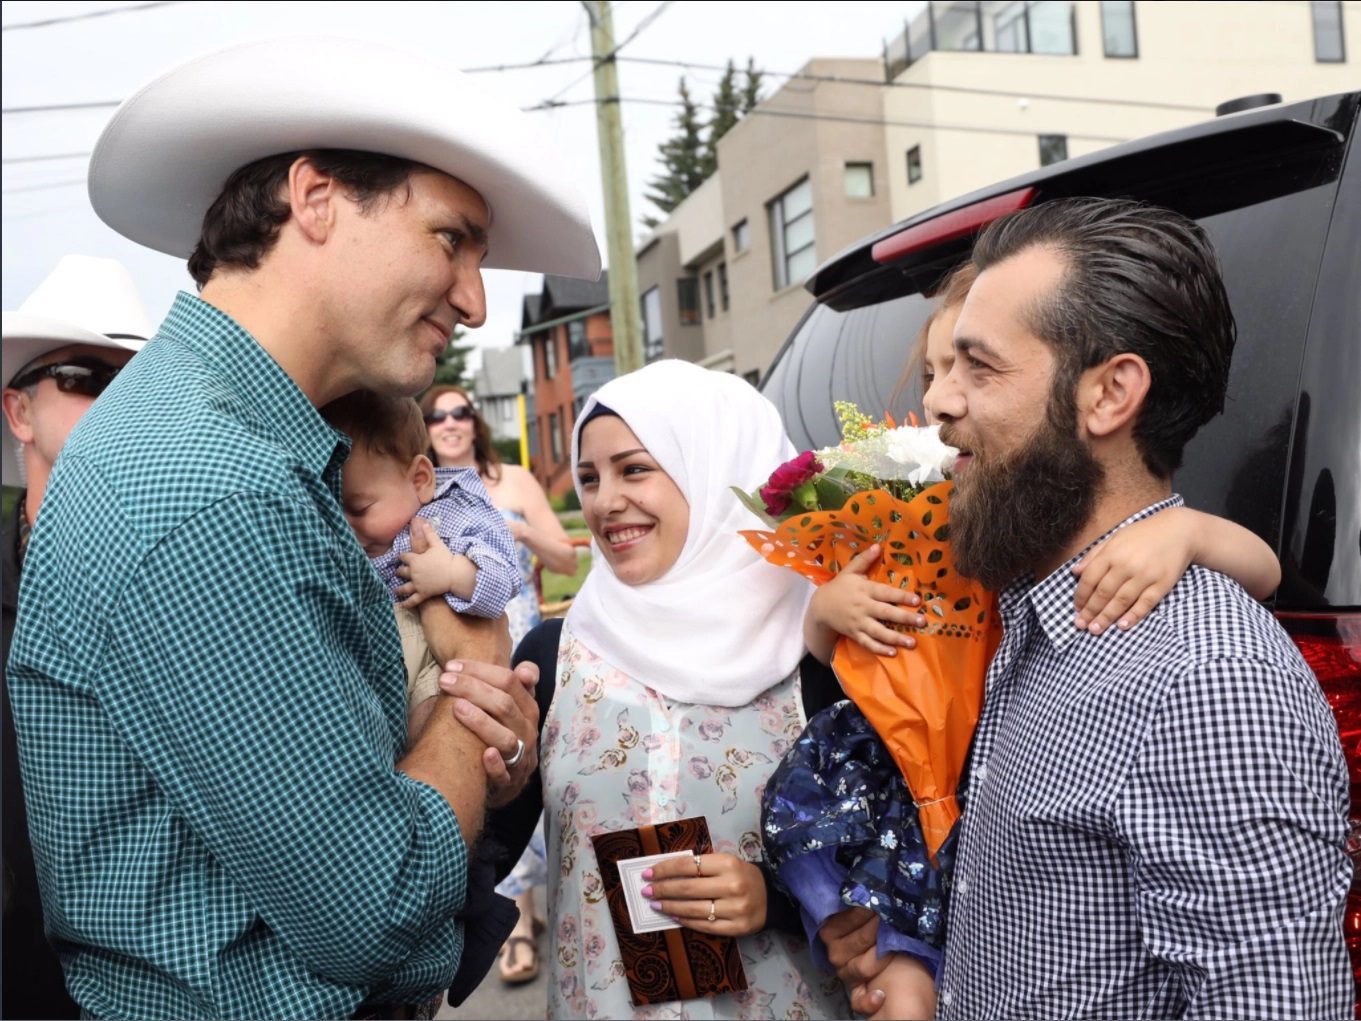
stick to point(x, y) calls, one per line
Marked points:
point(1156, 820)
point(209, 694)
point(465, 518)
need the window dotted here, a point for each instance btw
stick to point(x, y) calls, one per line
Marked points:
point(563, 441)
point(914, 164)
point(741, 237)
point(554, 437)
point(1328, 45)
point(860, 180)
point(791, 235)
point(576, 340)
point(1011, 28)
point(1053, 148)
point(550, 355)
point(1117, 28)
point(1051, 27)
point(723, 286)
point(687, 296)
point(652, 324)
point(709, 293)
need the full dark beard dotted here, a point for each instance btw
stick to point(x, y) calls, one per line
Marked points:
point(1019, 511)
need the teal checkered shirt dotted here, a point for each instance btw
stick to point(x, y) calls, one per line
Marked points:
point(210, 699)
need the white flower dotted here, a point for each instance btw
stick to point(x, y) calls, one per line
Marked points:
point(913, 454)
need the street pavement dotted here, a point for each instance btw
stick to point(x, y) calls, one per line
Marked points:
point(493, 999)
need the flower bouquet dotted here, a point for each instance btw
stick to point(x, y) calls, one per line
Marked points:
point(887, 484)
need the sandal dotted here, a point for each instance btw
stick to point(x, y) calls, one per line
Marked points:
point(512, 975)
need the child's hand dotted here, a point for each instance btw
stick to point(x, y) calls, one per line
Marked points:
point(852, 605)
point(430, 569)
point(1127, 575)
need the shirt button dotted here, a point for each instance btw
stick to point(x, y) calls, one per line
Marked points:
point(981, 773)
point(962, 885)
point(947, 997)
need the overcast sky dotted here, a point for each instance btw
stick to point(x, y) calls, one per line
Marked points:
point(47, 214)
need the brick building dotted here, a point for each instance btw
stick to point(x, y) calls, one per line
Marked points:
point(567, 327)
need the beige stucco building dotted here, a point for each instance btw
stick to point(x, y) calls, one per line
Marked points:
point(969, 94)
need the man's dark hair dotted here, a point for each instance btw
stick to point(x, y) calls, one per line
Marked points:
point(385, 426)
point(243, 222)
point(1139, 279)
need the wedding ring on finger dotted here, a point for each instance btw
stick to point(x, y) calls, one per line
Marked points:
point(514, 760)
point(711, 917)
point(699, 873)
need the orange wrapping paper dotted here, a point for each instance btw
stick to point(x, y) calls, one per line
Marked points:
point(924, 703)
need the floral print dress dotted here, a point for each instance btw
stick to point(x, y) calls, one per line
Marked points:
point(614, 755)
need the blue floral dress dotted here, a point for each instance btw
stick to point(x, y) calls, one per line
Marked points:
point(614, 755)
point(840, 828)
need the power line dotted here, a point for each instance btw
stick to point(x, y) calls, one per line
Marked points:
point(976, 90)
point(50, 107)
point(644, 23)
point(87, 15)
point(543, 61)
point(45, 187)
point(767, 111)
point(45, 159)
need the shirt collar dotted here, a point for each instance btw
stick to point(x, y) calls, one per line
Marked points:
point(1053, 599)
point(223, 344)
point(447, 479)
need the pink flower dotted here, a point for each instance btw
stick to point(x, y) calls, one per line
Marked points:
point(778, 492)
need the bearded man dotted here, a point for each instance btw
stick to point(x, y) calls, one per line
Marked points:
point(1156, 819)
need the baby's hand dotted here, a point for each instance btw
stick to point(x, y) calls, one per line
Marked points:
point(852, 605)
point(430, 569)
point(1127, 575)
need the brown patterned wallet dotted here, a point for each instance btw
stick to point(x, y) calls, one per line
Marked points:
point(674, 964)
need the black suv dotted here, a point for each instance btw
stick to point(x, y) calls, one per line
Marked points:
point(1278, 188)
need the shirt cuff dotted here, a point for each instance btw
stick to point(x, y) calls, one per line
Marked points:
point(497, 583)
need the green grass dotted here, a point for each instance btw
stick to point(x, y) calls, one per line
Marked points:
point(557, 587)
point(10, 496)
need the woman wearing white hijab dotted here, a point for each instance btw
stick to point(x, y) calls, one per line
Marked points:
point(673, 689)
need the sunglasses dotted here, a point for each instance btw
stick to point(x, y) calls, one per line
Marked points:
point(86, 377)
point(459, 414)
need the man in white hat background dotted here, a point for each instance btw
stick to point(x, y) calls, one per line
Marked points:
point(228, 818)
point(60, 350)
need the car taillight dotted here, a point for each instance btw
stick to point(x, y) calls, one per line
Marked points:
point(1331, 644)
point(948, 226)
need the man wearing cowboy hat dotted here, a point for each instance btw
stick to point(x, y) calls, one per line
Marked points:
point(61, 349)
point(232, 822)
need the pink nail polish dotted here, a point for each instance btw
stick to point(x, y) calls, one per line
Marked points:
point(656, 905)
point(647, 873)
point(647, 891)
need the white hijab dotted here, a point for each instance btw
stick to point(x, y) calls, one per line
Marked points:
point(722, 625)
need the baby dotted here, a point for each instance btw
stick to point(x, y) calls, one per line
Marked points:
point(388, 487)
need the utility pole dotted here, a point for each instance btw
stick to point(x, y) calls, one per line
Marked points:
point(625, 307)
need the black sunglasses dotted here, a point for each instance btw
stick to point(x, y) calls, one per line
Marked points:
point(86, 377)
point(459, 414)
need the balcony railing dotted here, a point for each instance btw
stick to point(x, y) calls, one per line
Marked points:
point(983, 26)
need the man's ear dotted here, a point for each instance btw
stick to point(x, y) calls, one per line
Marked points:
point(17, 410)
point(422, 475)
point(312, 199)
point(1110, 394)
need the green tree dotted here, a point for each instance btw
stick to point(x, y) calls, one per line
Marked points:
point(682, 158)
point(751, 89)
point(451, 368)
point(727, 110)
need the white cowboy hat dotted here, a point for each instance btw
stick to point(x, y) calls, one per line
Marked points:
point(83, 301)
point(169, 149)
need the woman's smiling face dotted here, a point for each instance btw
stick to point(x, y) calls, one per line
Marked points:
point(638, 515)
